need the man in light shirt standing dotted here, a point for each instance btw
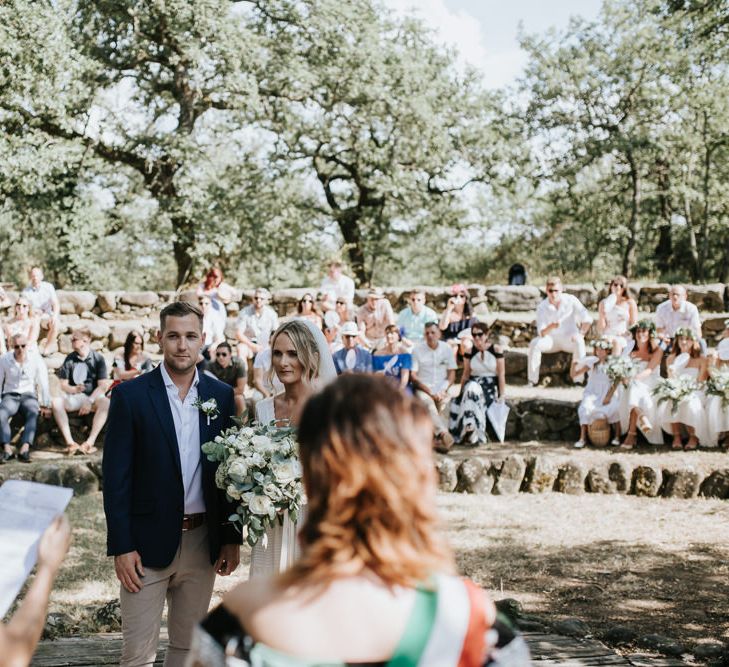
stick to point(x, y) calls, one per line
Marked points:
point(677, 313)
point(256, 322)
point(562, 322)
point(337, 284)
point(44, 303)
point(167, 522)
point(433, 374)
point(352, 358)
point(21, 375)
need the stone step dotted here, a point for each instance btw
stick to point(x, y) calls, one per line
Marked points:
point(537, 467)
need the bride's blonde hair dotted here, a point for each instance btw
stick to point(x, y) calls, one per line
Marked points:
point(365, 450)
point(305, 345)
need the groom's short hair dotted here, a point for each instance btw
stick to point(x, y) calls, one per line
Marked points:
point(179, 309)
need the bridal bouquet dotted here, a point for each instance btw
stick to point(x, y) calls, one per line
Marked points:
point(718, 385)
point(674, 390)
point(259, 470)
point(620, 369)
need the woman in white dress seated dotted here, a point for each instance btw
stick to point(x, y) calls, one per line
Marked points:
point(616, 314)
point(301, 361)
point(686, 360)
point(600, 399)
point(717, 410)
point(375, 584)
point(638, 405)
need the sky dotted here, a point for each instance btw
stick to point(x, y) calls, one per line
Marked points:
point(485, 31)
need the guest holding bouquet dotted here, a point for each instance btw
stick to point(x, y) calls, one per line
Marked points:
point(681, 403)
point(638, 405)
point(717, 396)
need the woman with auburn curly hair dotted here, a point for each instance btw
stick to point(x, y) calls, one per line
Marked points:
point(374, 584)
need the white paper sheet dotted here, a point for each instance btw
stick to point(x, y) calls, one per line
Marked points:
point(26, 510)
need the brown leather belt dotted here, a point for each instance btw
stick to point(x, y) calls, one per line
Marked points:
point(190, 521)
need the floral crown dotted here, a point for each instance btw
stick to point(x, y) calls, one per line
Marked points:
point(685, 332)
point(603, 344)
point(644, 324)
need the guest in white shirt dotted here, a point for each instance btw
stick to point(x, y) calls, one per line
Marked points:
point(337, 284)
point(677, 313)
point(21, 376)
point(562, 322)
point(432, 375)
point(256, 322)
point(44, 302)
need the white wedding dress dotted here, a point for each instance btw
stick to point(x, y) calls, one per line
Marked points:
point(282, 545)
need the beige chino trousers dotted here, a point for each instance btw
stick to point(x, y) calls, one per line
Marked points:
point(187, 585)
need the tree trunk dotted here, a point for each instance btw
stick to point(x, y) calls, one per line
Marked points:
point(723, 276)
point(664, 248)
point(704, 250)
point(349, 226)
point(635, 199)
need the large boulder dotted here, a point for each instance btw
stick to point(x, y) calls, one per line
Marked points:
point(99, 329)
point(513, 298)
point(445, 468)
point(646, 481)
point(586, 293)
point(474, 477)
point(120, 330)
point(108, 301)
point(570, 478)
point(548, 419)
point(49, 473)
point(651, 295)
point(598, 481)
point(139, 299)
point(76, 301)
point(708, 298)
point(511, 476)
point(680, 484)
point(79, 478)
point(716, 485)
point(540, 475)
point(619, 474)
point(712, 328)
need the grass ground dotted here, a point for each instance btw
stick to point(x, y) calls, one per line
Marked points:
point(657, 565)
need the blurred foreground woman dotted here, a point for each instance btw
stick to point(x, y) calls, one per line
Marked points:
point(374, 584)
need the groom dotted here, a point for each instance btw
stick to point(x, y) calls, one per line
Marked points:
point(166, 520)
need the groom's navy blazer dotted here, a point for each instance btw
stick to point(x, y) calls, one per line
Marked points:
point(142, 476)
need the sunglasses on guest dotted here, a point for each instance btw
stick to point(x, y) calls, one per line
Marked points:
point(19, 347)
point(221, 354)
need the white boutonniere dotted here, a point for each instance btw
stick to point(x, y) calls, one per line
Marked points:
point(209, 408)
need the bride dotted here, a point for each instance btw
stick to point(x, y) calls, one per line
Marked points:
point(301, 360)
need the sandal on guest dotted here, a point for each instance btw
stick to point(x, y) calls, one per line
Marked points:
point(629, 445)
point(579, 444)
point(691, 445)
point(676, 444)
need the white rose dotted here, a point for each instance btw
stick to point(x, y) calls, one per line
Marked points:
point(209, 405)
point(273, 492)
point(232, 491)
point(255, 460)
point(286, 471)
point(238, 470)
point(263, 444)
point(260, 505)
point(247, 497)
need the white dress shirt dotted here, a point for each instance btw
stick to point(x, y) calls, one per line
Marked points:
point(42, 297)
point(668, 319)
point(187, 429)
point(570, 314)
point(258, 327)
point(341, 288)
point(432, 365)
point(17, 378)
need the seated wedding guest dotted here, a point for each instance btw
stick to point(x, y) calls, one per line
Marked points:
point(562, 322)
point(344, 310)
point(22, 375)
point(337, 283)
point(306, 309)
point(686, 361)
point(333, 338)
point(717, 410)
point(220, 293)
point(19, 636)
point(44, 305)
point(413, 318)
point(393, 359)
point(432, 375)
point(213, 329)
point(372, 317)
point(132, 360)
point(676, 313)
point(616, 314)
point(483, 382)
point(23, 323)
point(372, 559)
point(326, 302)
point(352, 358)
point(256, 323)
point(638, 407)
point(265, 382)
point(83, 386)
point(458, 314)
point(233, 372)
point(599, 400)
